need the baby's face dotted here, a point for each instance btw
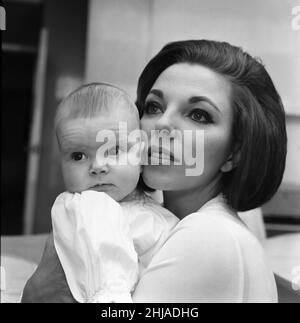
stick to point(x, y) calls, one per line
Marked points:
point(81, 166)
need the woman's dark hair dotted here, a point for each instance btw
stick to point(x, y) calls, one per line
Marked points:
point(259, 120)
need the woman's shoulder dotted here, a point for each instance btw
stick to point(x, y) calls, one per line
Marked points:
point(213, 256)
point(217, 215)
point(216, 227)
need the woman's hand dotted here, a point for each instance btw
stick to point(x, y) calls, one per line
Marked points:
point(48, 284)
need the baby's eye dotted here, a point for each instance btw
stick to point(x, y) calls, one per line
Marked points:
point(78, 156)
point(152, 108)
point(200, 116)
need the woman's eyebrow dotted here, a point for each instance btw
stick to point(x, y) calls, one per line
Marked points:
point(196, 99)
point(158, 93)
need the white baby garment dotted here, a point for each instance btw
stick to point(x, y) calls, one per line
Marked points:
point(104, 245)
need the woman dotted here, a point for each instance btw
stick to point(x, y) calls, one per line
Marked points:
point(210, 256)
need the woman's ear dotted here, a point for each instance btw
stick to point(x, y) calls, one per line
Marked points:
point(232, 161)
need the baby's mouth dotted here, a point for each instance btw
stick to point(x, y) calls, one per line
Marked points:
point(100, 187)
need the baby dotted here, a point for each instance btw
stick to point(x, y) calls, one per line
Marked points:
point(106, 229)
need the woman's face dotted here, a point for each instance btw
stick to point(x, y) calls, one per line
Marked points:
point(190, 97)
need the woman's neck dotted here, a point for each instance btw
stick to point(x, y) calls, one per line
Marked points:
point(183, 203)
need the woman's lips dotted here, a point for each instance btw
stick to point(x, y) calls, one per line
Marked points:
point(159, 154)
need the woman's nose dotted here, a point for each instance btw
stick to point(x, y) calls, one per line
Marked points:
point(165, 122)
point(98, 168)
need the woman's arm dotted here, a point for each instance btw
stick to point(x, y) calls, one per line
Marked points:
point(200, 262)
point(197, 263)
point(48, 284)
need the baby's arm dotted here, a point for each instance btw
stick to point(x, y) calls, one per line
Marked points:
point(150, 225)
point(95, 248)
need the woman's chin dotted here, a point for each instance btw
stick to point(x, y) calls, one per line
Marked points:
point(157, 177)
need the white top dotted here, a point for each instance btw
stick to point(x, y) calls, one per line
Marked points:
point(103, 245)
point(210, 256)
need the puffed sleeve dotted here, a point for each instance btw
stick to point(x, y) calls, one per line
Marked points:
point(200, 262)
point(150, 226)
point(93, 242)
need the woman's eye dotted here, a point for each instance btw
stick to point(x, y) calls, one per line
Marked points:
point(152, 108)
point(200, 116)
point(114, 151)
point(78, 156)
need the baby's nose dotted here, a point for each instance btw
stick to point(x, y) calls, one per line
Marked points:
point(98, 168)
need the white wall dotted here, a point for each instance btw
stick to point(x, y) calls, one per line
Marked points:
point(118, 41)
point(124, 34)
point(292, 171)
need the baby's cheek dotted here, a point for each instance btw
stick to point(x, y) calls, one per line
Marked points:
point(74, 179)
point(129, 177)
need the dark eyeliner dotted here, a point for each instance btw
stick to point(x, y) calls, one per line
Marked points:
point(150, 104)
point(205, 114)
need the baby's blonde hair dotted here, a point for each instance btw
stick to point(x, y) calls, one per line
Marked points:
point(92, 100)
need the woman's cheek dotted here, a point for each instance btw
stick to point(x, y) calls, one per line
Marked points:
point(147, 125)
point(216, 149)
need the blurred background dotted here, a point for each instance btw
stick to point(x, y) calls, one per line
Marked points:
point(50, 47)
